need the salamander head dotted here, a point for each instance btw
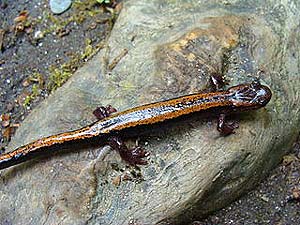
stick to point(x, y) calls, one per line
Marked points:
point(249, 96)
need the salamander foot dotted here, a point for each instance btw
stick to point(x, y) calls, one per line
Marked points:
point(132, 156)
point(217, 82)
point(104, 111)
point(226, 128)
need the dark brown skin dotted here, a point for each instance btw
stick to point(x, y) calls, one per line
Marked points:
point(240, 98)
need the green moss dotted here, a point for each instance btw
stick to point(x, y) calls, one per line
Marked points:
point(88, 51)
point(80, 11)
point(27, 101)
point(37, 81)
point(103, 1)
point(29, 98)
point(37, 78)
point(58, 76)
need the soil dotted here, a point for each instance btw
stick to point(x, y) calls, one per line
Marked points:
point(39, 51)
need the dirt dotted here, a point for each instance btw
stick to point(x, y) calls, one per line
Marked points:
point(40, 51)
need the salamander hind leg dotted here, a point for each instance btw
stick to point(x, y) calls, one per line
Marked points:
point(104, 111)
point(132, 156)
point(217, 82)
point(225, 127)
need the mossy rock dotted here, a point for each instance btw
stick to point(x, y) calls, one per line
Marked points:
point(159, 50)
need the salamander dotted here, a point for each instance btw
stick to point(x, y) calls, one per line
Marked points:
point(243, 97)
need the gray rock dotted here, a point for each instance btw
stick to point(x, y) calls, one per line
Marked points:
point(59, 6)
point(192, 171)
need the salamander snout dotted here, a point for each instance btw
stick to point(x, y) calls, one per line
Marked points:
point(249, 96)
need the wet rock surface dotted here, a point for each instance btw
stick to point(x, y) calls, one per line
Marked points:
point(192, 169)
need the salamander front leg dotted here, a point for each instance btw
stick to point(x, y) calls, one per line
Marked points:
point(133, 156)
point(224, 127)
point(104, 111)
point(217, 82)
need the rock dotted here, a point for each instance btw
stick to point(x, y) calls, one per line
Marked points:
point(59, 6)
point(171, 51)
point(38, 35)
